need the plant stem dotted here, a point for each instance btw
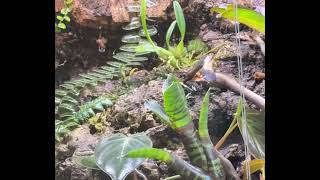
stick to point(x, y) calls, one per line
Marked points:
point(226, 81)
point(232, 126)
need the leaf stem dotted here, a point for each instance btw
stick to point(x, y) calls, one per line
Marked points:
point(232, 126)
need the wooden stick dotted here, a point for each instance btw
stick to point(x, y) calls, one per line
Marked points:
point(224, 80)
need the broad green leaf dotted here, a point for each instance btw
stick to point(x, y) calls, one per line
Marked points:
point(62, 25)
point(153, 106)
point(203, 119)
point(111, 151)
point(87, 161)
point(180, 21)
point(248, 17)
point(255, 128)
point(60, 18)
point(67, 18)
point(169, 32)
point(175, 103)
point(255, 165)
point(154, 153)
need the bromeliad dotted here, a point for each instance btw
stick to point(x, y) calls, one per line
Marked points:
point(206, 161)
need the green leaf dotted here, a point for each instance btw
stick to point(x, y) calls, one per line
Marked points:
point(143, 14)
point(110, 154)
point(153, 106)
point(255, 128)
point(67, 18)
point(203, 119)
point(169, 32)
point(248, 17)
point(68, 2)
point(60, 18)
point(88, 161)
point(175, 103)
point(180, 21)
point(62, 25)
point(154, 153)
point(147, 47)
point(255, 165)
point(68, 9)
point(64, 11)
point(131, 38)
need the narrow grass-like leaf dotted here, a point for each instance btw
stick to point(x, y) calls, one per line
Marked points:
point(169, 32)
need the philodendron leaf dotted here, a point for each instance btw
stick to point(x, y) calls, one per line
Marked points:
point(158, 110)
point(248, 17)
point(255, 128)
point(110, 154)
point(87, 161)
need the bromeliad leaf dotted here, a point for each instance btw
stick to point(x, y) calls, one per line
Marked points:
point(175, 103)
point(158, 110)
point(151, 153)
point(110, 154)
point(203, 119)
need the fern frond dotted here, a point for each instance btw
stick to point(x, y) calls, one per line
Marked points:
point(60, 93)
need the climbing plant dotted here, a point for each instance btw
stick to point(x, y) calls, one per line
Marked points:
point(63, 17)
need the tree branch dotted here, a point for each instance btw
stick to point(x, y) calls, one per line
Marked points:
point(221, 79)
